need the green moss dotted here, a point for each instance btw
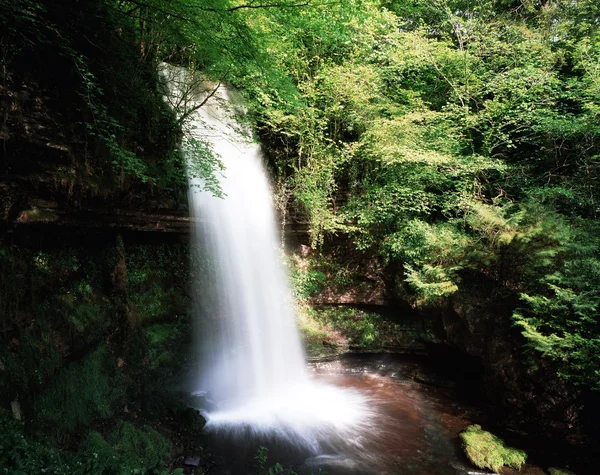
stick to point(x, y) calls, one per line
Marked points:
point(79, 394)
point(361, 329)
point(100, 454)
point(164, 343)
point(485, 450)
point(19, 455)
point(311, 275)
point(84, 309)
point(157, 278)
point(28, 363)
point(128, 450)
point(304, 280)
point(37, 215)
point(139, 447)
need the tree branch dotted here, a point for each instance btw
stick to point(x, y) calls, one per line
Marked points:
point(141, 3)
point(269, 5)
point(191, 110)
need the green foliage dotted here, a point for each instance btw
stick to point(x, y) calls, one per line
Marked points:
point(157, 278)
point(559, 319)
point(487, 451)
point(261, 457)
point(164, 342)
point(139, 447)
point(20, 456)
point(60, 314)
point(54, 300)
point(79, 394)
point(203, 163)
point(304, 280)
point(100, 59)
point(360, 327)
point(432, 255)
point(452, 139)
point(132, 451)
point(368, 330)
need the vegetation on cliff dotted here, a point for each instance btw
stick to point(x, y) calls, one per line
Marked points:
point(453, 141)
point(79, 363)
point(458, 141)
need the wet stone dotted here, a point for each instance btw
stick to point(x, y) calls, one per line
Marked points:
point(192, 420)
point(193, 461)
point(463, 470)
point(474, 472)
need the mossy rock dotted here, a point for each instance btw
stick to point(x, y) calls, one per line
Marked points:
point(559, 471)
point(485, 450)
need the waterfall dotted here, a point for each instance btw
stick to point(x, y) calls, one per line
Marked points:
point(250, 337)
point(252, 366)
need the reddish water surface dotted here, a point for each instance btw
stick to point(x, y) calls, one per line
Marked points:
point(416, 425)
point(414, 430)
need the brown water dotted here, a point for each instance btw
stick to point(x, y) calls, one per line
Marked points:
point(421, 406)
point(416, 425)
point(414, 430)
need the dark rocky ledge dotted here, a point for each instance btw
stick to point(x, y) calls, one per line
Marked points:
point(155, 220)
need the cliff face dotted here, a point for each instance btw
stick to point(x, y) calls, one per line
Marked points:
point(525, 391)
point(83, 125)
point(48, 176)
point(94, 260)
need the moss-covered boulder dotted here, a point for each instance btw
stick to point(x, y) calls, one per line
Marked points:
point(485, 450)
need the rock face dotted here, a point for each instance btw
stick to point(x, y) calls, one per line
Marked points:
point(478, 322)
point(42, 212)
point(368, 291)
point(59, 165)
point(559, 471)
point(43, 182)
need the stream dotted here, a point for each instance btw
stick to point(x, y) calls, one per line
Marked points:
point(413, 430)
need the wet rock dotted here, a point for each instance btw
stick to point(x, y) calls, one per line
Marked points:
point(474, 472)
point(192, 420)
point(331, 462)
point(16, 409)
point(434, 380)
point(463, 470)
point(559, 471)
point(193, 461)
point(203, 401)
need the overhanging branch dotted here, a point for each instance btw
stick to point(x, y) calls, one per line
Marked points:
point(248, 6)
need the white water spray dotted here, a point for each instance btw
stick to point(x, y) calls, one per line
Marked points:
point(252, 361)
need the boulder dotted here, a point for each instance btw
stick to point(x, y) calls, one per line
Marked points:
point(192, 420)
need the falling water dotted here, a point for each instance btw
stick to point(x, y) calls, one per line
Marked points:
point(252, 364)
point(252, 340)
